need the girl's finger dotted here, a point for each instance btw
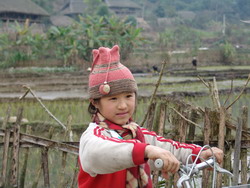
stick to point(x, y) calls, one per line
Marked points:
point(165, 175)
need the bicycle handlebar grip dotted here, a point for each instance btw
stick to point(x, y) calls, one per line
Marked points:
point(158, 164)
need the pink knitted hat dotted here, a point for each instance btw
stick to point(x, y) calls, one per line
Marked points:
point(108, 76)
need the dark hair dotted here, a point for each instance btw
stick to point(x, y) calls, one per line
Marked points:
point(92, 109)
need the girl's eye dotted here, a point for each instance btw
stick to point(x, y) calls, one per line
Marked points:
point(129, 96)
point(113, 98)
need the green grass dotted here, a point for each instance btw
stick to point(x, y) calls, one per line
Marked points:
point(61, 109)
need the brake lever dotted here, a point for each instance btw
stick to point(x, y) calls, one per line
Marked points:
point(222, 170)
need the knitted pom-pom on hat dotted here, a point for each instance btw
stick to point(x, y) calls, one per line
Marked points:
point(108, 76)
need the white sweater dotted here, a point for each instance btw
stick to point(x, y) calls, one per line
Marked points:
point(102, 152)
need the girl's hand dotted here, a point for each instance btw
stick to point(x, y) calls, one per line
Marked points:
point(218, 153)
point(171, 164)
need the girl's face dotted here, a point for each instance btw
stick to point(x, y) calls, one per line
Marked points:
point(117, 108)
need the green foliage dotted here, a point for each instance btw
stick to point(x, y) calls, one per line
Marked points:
point(131, 20)
point(181, 36)
point(69, 44)
point(227, 52)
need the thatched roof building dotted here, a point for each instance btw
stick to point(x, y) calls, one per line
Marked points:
point(120, 7)
point(20, 10)
point(124, 7)
point(73, 8)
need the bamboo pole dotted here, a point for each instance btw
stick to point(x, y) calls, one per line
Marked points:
point(16, 146)
point(243, 154)
point(237, 153)
point(164, 63)
point(188, 120)
point(5, 148)
point(242, 90)
point(215, 93)
point(29, 90)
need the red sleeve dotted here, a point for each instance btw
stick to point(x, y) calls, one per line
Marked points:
point(195, 152)
point(138, 153)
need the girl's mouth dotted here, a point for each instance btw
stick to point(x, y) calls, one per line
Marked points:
point(122, 114)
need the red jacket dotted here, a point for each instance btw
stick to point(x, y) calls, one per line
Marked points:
point(114, 180)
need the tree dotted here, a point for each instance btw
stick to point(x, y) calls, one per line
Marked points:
point(159, 12)
point(93, 6)
point(243, 7)
point(103, 11)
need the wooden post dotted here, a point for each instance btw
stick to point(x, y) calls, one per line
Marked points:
point(228, 154)
point(237, 153)
point(162, 119)
point(16, 146)
point(183, 128)
point(5, 149)
point(176, 123)
point(151, 113)
point(35, 183)
point(75, 175)
point(207, 134)
point(25, 163)
point(160, 131)
point(45, 166)
point(67, 136)
point(191, 131)
point(243, 154)
point(221, 139)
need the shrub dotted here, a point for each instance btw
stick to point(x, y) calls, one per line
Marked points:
point(227, 53)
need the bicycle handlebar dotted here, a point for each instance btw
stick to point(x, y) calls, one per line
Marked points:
point(187, 171)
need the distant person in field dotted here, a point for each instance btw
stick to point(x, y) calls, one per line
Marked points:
point(194, 62)
point(114, 150)
point(155, 69)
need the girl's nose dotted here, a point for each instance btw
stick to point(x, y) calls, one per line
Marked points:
point(122, 104)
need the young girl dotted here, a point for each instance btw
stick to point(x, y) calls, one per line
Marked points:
point(114, 151)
